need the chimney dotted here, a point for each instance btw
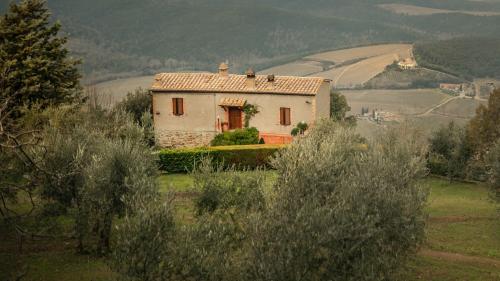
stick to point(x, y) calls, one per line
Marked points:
point(270, 78)
point(250, 82)
point(223, 70)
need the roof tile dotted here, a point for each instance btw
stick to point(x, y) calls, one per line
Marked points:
point(213, 82)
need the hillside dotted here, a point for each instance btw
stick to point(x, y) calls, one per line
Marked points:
point(466, 57)
point(122, 38)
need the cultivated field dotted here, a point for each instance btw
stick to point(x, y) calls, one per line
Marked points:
point(425, 109)
point(404, 102)
point(297, 68)
point(460, 108)
point(413, 10)
point(346, 68)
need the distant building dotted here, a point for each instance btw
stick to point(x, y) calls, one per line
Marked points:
point(191, 108)
point(456, 88)
point(408, 63)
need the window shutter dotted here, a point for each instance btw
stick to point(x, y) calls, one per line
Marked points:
point(285, 116)
point(174, 106)
point(180, 106)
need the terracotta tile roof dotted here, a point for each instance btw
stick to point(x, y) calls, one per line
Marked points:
point(214, 82)
point(232, 102)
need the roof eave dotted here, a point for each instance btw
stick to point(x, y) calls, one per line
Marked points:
point(228, 92)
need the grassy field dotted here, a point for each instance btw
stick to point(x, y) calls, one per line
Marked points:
point(462, 108)
point(462, 239)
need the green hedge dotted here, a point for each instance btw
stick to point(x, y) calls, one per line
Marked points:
point(240, 156)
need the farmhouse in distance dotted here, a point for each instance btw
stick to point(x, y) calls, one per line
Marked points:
point(190, 109)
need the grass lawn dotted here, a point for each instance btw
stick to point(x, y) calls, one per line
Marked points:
point(463, 228)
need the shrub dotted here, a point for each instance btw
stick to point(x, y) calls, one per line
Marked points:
point(237, 137)
point(242, 157)
point(136, 103)
point(144, 243)
point(227, 189)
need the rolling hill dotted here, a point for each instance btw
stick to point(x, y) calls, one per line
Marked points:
point(121, 38)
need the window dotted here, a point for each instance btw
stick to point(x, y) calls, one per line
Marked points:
point(285, 116)
point(178, 106)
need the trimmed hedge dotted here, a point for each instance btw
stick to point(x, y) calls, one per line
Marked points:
point(240, 156)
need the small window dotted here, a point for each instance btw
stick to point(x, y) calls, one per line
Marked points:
point(285, 116)
point(178, 106)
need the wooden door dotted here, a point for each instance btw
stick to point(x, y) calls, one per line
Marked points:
point(234, 118)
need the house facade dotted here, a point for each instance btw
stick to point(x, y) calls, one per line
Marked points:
point(190, 109)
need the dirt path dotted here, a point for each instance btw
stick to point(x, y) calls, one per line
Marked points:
point(453, 257)
point(437, 106)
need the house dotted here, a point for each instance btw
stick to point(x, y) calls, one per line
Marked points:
point(408, 63)
point(456, 88)
point(189, 109)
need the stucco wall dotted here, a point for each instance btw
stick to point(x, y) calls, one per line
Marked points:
point(268, 118)
point(323, 102)
point(196, 127)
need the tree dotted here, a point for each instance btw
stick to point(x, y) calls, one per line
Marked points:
point(484, 129)
point(450, 145)
point(341, 210)
point(493, 167)
point(35, 72)
point(38, 68)
point(339, 108)
point(89, 162)
point(136, 103)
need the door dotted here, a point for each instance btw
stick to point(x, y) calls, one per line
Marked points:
point(234, 118)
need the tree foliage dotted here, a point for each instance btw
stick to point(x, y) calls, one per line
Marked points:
point(37, 66)
point(89, 162)
point(342, 211)
point(493, 163)
point(35, 72)
point(467, 57)
point(136, 103)
point(484, 129)
point(450, 145)
point(339, 108)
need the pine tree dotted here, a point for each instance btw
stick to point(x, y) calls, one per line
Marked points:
point(34, 63)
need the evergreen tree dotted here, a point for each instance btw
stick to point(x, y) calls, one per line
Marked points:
point(35, 64)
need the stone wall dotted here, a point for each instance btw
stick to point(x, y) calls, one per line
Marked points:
point(174, 139)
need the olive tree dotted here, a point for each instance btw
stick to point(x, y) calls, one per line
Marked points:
point(89, 161)
point(342, 210)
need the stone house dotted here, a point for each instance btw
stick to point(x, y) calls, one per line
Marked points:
point(189, 109)
point(456, 88)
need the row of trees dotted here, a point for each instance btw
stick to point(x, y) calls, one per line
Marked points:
point(472, 151)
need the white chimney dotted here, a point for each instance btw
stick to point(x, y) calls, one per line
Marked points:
point(250, 82)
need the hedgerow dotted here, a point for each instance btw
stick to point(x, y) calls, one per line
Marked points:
point(239, 156)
